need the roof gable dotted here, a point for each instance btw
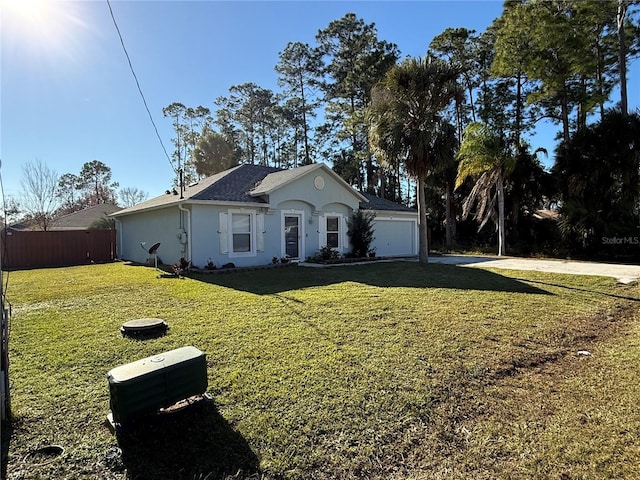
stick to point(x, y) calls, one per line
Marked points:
point(280, 178)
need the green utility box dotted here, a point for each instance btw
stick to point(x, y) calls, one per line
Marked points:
point(147, 385)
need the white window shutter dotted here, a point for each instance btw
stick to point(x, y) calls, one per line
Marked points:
point(322, 231)
point(260, 232)
point(345, 237)
point(223, 229)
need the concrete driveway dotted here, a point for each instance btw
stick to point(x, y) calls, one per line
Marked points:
point(623, 273)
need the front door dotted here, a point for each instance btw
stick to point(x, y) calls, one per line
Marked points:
point(292, 236)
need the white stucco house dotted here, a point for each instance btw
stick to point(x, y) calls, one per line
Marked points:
point(250, 213)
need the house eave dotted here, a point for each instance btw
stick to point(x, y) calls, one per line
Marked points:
point(229, 203)
point(185, 202)
point(124, 213)
point(392, 213)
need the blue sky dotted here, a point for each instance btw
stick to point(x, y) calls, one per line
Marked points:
point(68, 97)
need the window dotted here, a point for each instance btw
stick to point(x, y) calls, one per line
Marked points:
point(333, 232)
point(241, 231)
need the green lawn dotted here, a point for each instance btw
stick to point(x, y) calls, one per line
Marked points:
point(382, 371)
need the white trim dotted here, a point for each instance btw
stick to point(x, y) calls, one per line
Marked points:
point(301, 232)
point(391, 215)
point(170, 204)
point(231, 204)
point(396, 219)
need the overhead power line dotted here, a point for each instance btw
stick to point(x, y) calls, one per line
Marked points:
point(144, 100)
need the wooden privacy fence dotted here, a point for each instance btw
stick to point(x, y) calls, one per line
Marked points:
point(58, 248)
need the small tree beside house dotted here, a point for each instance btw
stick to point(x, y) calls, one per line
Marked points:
point(360, 232)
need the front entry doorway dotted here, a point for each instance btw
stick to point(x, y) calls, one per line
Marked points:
point(292, 236)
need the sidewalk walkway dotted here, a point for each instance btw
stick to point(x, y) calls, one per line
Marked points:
point(623, 273)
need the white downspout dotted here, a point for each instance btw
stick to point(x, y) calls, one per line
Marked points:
point(188, 230)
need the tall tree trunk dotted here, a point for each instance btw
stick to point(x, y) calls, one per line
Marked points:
point(252, 147)
point(582, 108)
point(265, 154)
point(519, 102)
point(371, 181)
point(449, 218)
point(459, 119)
point(398, 183)
point(454, 222)
point(566, 135)
point(423, 252)
point(622, 56)
point(470, 89)
point(600, 78)
point(307, 156)
point(501, 231)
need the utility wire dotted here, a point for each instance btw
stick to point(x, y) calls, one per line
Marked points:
point(139, 88)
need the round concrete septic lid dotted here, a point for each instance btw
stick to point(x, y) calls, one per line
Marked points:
point(143, 325)
point(44, 455)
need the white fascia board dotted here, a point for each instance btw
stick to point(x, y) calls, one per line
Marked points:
point(185, 203)
point(226, 203)
point(146, 209)
point(393, 215)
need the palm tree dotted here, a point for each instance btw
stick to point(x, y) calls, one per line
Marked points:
point(405, 118)
point(484, 157)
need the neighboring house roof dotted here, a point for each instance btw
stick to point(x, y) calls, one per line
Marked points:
point(377, 203)
point(241, 184)
point(80, 220)
point(83, 219)
point(24, 225)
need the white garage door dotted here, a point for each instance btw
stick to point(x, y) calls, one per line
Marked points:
point(395, 237)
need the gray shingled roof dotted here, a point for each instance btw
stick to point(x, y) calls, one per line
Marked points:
point(236, 185)
point(245, 184)
point(231, 185)
point(377, 203)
